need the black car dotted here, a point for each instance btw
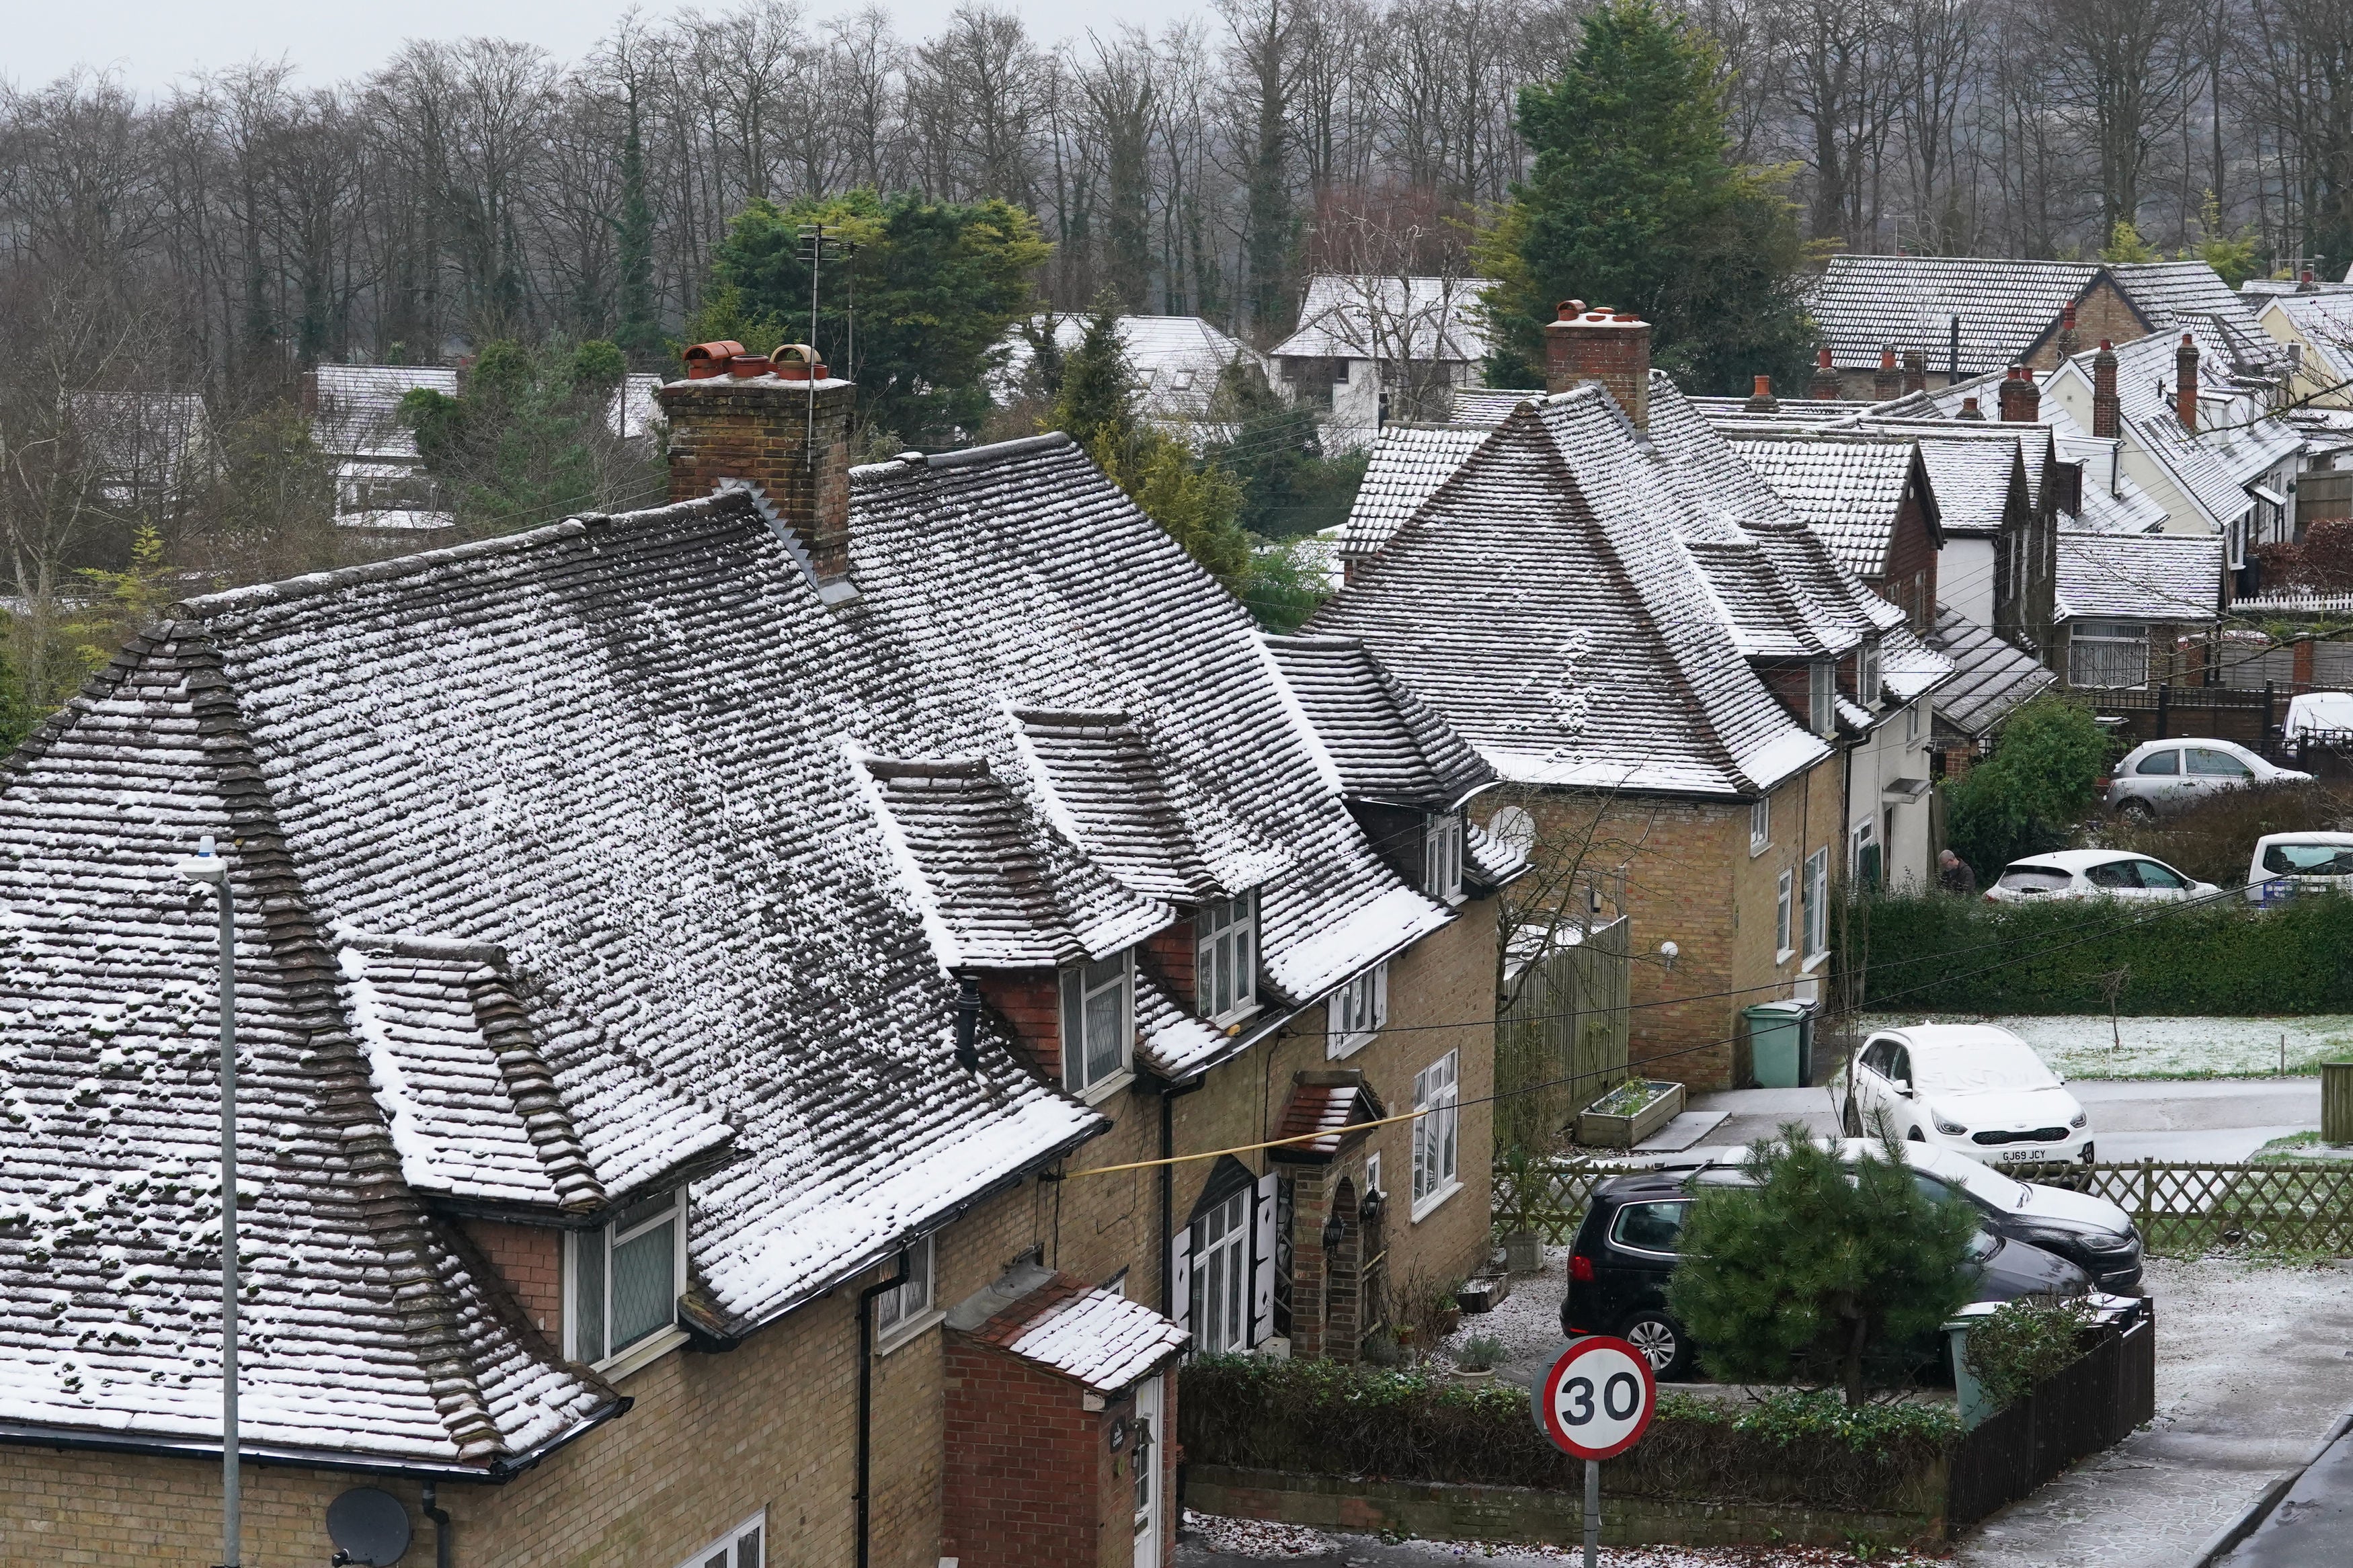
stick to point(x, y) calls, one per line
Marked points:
point(2093, 1234)
point(1632, 1239)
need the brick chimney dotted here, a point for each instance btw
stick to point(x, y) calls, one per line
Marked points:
point(2067, 341)
point(2016, 388)
point(2107, 409)
point(748, 417)
point(1969, 410)
point(1826, 376)
point(1887, 382)
point(2304, 283)
point(1916, 371)
point(2185, 381)
point(1610, 347)
point(1762, 400)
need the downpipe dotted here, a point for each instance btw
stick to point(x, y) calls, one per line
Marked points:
point(440, 1518)
point(865, 1398)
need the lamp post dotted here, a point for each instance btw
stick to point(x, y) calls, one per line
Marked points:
point(205, 867)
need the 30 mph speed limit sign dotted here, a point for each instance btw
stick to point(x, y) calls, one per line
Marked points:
point(1597, 1399)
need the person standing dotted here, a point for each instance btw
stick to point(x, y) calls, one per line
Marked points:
point(1953, 875)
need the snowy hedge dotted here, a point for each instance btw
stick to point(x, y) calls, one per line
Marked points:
point(1940, 954)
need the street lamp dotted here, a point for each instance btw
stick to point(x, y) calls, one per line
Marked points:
point(205, 867)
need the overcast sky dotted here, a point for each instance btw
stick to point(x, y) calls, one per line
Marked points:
point(152, 43)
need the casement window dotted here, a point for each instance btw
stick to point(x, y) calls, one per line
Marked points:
point(898, 1313)
point(1816, 901)
point(1912, 725)
point(1358, 1009)
point(2108, 654)
point(1821, 696)
point(1441, 855)
point(1784, 894)
point(1222, 1263)
point(742, 1547)
point(1865, 858)
point(1866, 675)
point(1222, 1276)
point(1098, 1022)
point(1434, 1133)
point(1225, 958)
point(1760, 824)
point(625, 1279)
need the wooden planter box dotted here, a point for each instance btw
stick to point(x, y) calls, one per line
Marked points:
point(1482, 1294)
point(1595, 1130)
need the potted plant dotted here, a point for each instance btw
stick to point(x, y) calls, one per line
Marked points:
point(1476, 1361)
point(1630, 1113)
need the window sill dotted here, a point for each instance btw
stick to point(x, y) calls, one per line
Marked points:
point(1816, 961)
point(907, 1332)
point(1102, 1091)
point(1347, 1046)
point(1784, 956)
point(1758, 846)
point(1234, 1018)
point(1422, 1209)
point(642, 1354)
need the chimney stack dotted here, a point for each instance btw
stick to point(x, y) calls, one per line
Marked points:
point(748, 417)
point(1826, 376)
point(2304, 283)
point(1916, 371)
point(1762, 400)
point(2022, 400)
point(1969, 410)
point(2107, 409)
point(1609, 347)
point(2185, 381)
point(1887, 382)
point(2067, 344)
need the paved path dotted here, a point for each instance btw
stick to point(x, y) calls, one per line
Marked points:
point(2133, 1119)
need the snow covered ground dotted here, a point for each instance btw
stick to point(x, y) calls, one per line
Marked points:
point(1211, 1542)
point(2083, 1047)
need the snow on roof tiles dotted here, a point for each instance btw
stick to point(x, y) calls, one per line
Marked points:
point(1322, 1108)
point(1382, 318)
point(1177, 360)
point(357, 409)
point(1096, 1337)
point(1095, 775)
point(1849, 488)
point(1991, 678)
point(1389, 745)
point(1408, 463)
point(2141, 577)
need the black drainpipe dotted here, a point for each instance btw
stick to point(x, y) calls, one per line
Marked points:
point(865, 1393)
point(1168, 1191)
point(440, 1518)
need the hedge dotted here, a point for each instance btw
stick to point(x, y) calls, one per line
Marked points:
point(1321, 1417)
point(1937, 953)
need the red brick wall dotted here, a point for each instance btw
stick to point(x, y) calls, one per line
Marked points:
point(529, 1261)
point(1024, 1472)
point(723, 429)
point(1615, 351)
point(1031, 1001)
point(1911, 579)
point(1170, 954)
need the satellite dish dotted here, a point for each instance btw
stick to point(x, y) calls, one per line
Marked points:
point(368, 1527)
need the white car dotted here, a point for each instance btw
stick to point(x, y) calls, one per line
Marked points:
point(2159, 776)
point(1970, 1089)
point(2288, 864)
point(2094, 874)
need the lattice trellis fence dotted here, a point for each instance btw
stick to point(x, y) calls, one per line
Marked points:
point(2181, 1207)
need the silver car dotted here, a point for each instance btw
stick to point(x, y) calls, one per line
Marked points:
point(2157, 777)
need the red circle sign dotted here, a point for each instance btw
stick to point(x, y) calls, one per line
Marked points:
point(1598, 1399)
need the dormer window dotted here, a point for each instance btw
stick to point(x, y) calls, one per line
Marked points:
point(1441, 855)
point(624, 1280)
point(1225, 959)
point(1098, 1022)
point(1358, 1009)
point(1821, 696)
point(1866, 675)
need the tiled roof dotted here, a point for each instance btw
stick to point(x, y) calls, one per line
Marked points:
point(1407, 462)
point(1351, 317)
point(1095, 775)
point(2326, 323)
point(2139, 578)
point(1487, 406)
point(145, 436)
point(357, 415)
point(1991, 678)
point(1322, 1108)
point(2237, 442)
point(1093, 1336)
point(1389, 745)
point(634, 757)
point(1176, 360)
point(2129, 509)
point(1848, 488)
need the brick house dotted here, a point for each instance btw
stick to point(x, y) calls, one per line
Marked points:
point(1662, 662)
point(695, 967)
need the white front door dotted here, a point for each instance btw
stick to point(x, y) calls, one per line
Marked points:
point(1143, 1448)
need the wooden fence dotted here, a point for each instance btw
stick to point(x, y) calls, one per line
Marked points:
point(2182, 1208)
point(1560, 1039)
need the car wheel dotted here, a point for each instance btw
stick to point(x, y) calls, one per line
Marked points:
point(2136, 811)
point(1661, 1341)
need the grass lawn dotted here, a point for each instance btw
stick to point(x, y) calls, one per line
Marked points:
point(2087, 1046)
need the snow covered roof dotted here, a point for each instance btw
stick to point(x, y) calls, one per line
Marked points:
point(1363, 317)
point(1176, 360)
point(1487, 406)
point(1058, 1323)
point(1407, 462)
point(1322, 1107)
point(576, 846)
point(1991, 678)
point(1848, 487)
point(356, 409)
point(1581, 604)
point(2324, 322)
point(2237, 442)
point(1389, 745)
point(2169, 577)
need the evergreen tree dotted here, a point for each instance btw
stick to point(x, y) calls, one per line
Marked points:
point(1635, 202)
point(1096, 400)
point(1273, 447)
point(2126, 245)
point(1820, 1270)
point(531, 436)
point(640, 335)
point(2041, 779)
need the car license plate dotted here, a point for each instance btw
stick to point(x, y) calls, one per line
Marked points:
point(2022, 1156)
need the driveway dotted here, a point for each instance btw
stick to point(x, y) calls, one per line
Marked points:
point(2134, 1119)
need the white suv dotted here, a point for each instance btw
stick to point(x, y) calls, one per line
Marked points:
point(1973, 1089)
point(2158, 776)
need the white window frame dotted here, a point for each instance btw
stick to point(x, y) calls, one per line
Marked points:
point(1222, 1263)
point(1441, 855)
point(2099, 650)
point(1821, 696)
point(1357, 1011)
point(1373, 1174)
point(604, 1356)
point(1785, 898)
point(1083, 1075)
point(1866, 674)
point(901, 1314)
point(1760, 824)
point(1817, 904)
point(729, 1549)
point(1225, 948)
point(1437, 1135)
point(1912, 724)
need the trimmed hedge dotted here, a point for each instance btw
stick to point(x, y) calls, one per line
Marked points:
point(1320, 1417)
point(1935, 954)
